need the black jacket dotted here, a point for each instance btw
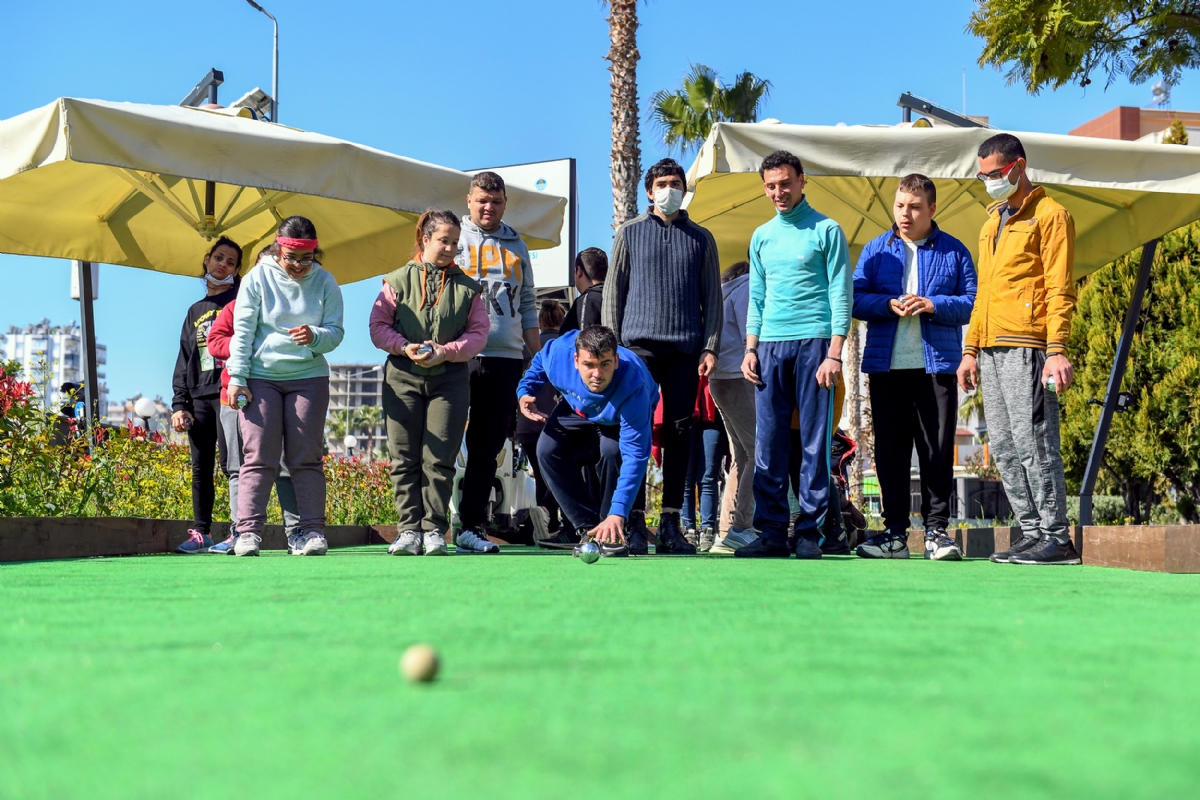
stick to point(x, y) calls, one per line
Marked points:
point(585, 310)
point(197, 373)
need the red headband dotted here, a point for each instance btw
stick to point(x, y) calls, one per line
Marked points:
point(296, 244)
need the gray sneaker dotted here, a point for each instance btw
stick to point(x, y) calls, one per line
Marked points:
point(310, 543)
point(733, 540)
point(468, 541)
point(246, 544)
point(708, 537)
point(406, 544)
point(294, 542)
point(435, 543)
point(940, 547)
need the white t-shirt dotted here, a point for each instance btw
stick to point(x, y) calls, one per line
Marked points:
point(908, 351)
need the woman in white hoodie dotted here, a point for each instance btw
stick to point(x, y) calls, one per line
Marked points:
point(288, 315)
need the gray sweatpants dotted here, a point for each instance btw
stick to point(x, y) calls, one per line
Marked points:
point(1022, 424)
point(735, 400)
point(283, 481)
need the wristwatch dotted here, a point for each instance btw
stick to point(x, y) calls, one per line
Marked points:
point(750, 350)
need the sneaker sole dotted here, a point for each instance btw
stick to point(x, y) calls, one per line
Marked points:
point(317, 552)
point(953, 555)
point(251, 553)
point(721, 550)
point(438, 551)
point(403, 551)
point(1070, 562)
point(882, 556)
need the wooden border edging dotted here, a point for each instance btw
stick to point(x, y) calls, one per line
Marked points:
point(1153, 548)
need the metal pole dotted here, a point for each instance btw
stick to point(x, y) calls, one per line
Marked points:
point(1114, 383)
point(87, 327)
point(275, 67)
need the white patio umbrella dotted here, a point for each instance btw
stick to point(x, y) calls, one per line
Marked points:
point(1122, 195)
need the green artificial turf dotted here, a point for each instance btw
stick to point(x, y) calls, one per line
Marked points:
point(222, 677)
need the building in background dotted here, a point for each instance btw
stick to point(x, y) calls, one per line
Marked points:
point(355, 408)
point(51, 355)
point(1133, 124)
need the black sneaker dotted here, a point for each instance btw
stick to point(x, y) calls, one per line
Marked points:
point(708, 537)
point(940, 547)
point(884, 545)
point(764, 547)
point(637, 535)
point(1050, 550)
point(671, 541)
point(1024, 543)
point(608, 550)
point(808, 545)
point(836, 547)
point(563, 540)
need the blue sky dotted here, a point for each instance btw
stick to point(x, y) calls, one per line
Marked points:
point(473, 83)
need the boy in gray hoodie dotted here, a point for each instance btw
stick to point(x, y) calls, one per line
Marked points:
point(493, 254)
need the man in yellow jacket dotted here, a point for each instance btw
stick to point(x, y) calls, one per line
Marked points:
point(1016, 347)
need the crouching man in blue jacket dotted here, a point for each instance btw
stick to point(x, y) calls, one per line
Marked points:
point(602, 424)
point(914, 286)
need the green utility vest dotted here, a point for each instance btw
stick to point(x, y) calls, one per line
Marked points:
point(441, 320)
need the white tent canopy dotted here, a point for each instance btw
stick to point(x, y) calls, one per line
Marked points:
point(1121, 194)
point(125, 183)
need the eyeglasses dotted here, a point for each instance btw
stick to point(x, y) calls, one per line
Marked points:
point(290, 259)
point(995, 174)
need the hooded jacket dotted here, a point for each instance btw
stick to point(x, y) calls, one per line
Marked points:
point(586, 310)
point(945, 275)
point(197, 371)
point(270, 303)
point(499, 261)
point(628, 401)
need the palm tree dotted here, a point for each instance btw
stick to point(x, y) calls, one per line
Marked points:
point(626, 148)
point(686, 115)
point(370, 417)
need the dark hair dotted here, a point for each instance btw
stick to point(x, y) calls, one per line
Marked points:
point(296, 228)
point(594, 263)
point(778, 160)
point(489, 182)
point(734, 271)
point(428, 223)
point(916, 182)
point(596, 340)
point(664, 169)
point(1008, 146)
point(225, 241)
point(551, 314)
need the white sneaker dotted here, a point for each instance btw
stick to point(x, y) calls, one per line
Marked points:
point(733, 540)
point(294, 542)
point(407, 543)
point(311, 543)
point(246, 544)
point(884, 545)
point(435, 544)
point(540, 518)
point(468, 541)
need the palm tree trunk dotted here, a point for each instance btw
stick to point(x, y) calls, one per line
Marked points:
point(626, 153)
point(854, 396)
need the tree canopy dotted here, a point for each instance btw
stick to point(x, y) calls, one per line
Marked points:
point(1052, 43)
point(686, 115)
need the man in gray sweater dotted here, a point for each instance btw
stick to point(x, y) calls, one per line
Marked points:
point(663, 300)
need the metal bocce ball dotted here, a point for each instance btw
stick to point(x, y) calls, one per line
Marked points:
point(589, 552)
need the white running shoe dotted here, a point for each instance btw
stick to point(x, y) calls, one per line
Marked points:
point(311, 543)
point(940, 547)
point(885, 545)
point(733, 540)
point(469, 541)
point(407, 543)
point(246, 544)
point(435, 544)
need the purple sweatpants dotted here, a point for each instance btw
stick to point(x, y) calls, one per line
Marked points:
point(285, 416)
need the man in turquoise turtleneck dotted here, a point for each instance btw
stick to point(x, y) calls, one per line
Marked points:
point(801, 288)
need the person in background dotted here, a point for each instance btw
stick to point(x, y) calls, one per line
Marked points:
point(288, 315)
point(196, 405)
point(591, 268)
point(798, 316)
point(219, 337)
point(705, 463)
point(1016, 348)
point(430, 320)
point(734, 396)
point(492, 253)
point(914, 287)
point(602, 423)
point(663, 301)
point(550, 321)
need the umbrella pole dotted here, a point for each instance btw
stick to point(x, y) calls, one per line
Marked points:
point(1114, 384)
point(87, 325)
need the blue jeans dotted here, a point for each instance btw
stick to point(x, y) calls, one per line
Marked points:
point(704, 468)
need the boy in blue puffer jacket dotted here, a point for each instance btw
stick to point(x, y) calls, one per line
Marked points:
point(914, 286)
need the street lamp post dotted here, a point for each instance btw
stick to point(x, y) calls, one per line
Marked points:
point(275, 63)
point(350, 442)
point(145, 408)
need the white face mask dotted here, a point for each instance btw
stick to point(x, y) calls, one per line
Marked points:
point(668, 201)
point(1000, 188)
point(227, 281)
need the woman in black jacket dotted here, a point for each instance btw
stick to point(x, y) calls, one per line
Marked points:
point(197, 384)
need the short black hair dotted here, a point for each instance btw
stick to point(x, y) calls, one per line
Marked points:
point(663, 169)
point(594, 263)
point(489, 182)
point(596, 340)
point(778, 160)
point(916, 182)
point(1008, 146)
point(734, 271)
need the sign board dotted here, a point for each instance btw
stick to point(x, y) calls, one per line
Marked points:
point(553, 268)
